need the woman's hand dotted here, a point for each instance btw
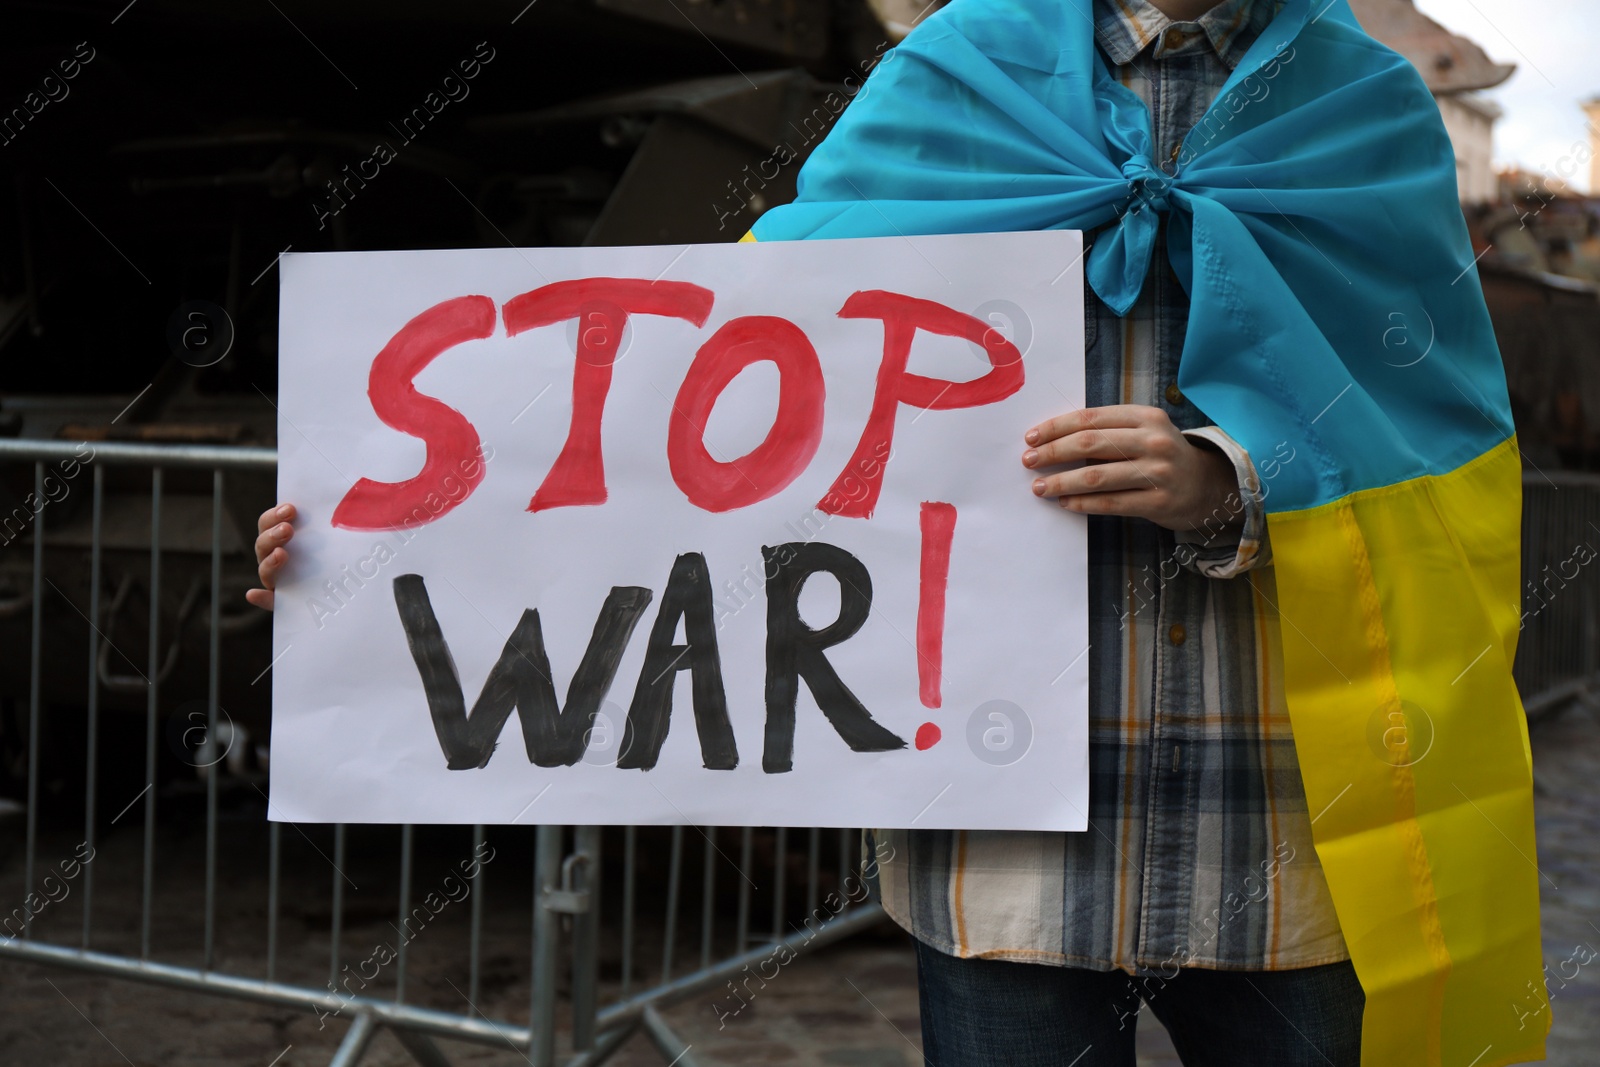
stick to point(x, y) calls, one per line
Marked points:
point(276, 527)
point(1138, 465)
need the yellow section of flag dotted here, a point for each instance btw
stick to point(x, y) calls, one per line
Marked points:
point(1399, 609)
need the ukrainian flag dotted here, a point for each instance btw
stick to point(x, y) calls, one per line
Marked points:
point(1335, 307)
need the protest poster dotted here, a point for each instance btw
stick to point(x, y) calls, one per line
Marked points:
point(708, 534)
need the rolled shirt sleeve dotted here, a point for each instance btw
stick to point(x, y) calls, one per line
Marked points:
point(1235, 539)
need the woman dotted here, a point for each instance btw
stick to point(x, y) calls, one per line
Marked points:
point(1265, 188)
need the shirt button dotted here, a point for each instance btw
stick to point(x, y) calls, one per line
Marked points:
point(1177, 634)
point(1175, 38)
point(1173, 394)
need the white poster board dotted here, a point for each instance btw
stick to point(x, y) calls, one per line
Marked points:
point(765, 555)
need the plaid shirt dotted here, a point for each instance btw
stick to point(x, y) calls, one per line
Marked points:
point(1199, 848)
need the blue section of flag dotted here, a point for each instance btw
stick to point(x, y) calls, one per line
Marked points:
point(1313, 217)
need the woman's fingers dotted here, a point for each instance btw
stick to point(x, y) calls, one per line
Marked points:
point(273, 516)
point(1135, 503)
point(1109, 444)
point(267, 571)
point(271, 539)
point(276, 528)
point(270, 565)
point(1096, 479)
point(1115, 416)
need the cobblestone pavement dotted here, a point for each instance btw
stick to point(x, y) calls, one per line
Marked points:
point(1566, 775)
point(852, 1005)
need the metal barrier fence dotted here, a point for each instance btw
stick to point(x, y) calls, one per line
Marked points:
point(125, 545)
point(1558, 652)
point(79, 549)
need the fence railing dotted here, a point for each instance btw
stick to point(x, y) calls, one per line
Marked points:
point(106, 530)
point(111, 528)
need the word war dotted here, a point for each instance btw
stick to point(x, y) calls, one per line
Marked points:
point(557, 736)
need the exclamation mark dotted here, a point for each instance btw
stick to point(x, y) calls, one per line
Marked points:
point(938, 530)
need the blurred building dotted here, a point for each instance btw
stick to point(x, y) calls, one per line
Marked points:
point(1455, 69)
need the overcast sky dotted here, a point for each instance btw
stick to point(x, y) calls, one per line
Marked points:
point(1556, 47)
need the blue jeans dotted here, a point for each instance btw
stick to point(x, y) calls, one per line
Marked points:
point(977, 1013)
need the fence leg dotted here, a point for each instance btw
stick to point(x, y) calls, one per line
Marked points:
point(666, 1042)
point(586, 941)
point(356, 1040)
point(423, 1050)
point(546, 925)
point(605, 1046)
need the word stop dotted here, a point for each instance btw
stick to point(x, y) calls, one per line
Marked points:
point(602, 308)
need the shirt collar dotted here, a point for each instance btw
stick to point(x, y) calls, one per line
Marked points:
point(1125, 28)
